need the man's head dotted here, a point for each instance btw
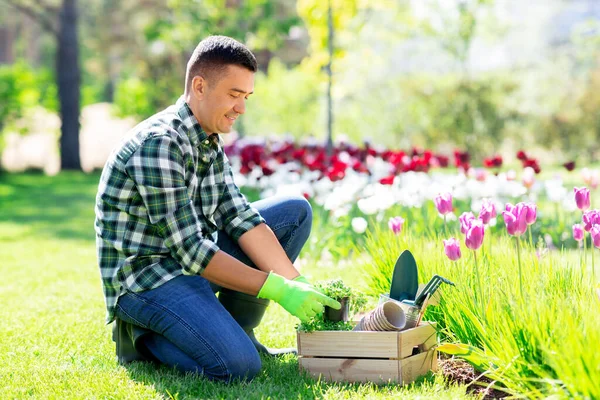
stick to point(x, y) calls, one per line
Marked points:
point(219, 78)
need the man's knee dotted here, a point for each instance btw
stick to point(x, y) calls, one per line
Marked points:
point(245, 365)
point(302, 207)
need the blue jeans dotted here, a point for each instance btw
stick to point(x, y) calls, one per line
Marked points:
point(191, 330)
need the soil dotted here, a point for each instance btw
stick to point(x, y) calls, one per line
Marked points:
point(460, 371)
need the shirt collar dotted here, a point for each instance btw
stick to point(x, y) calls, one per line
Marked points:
point(195, 132)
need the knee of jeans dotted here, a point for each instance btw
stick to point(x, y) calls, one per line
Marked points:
point(304, 208)
point(244, 366)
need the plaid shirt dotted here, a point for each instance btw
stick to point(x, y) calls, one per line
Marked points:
point(163, 194)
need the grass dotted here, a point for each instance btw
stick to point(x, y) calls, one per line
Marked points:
point(54, 341)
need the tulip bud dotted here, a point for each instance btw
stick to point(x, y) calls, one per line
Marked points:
point(452, 249)
point(443, 203)
point(396, 224)
point(474, 236)
point(582, 198)
point(515, 218)
point(488, 211)
point(578, 232)
point(595, 233)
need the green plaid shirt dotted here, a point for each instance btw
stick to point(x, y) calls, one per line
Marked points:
point(163, 194)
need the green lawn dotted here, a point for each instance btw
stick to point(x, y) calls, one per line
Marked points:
point(54, 343)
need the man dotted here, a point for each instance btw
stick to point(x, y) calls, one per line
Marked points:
point(172, 228)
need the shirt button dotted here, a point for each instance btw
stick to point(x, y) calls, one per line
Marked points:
point(205, 159)
point(206, 141)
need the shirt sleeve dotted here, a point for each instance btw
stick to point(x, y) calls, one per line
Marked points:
point(158, 170)
point(234, 214)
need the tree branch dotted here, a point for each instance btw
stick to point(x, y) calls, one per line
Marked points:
point(40, 18)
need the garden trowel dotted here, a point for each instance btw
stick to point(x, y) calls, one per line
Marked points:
point(405, 279)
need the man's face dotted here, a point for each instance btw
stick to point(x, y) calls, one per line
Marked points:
point(222, 98)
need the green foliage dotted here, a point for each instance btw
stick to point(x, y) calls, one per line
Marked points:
point(470, 114)
point(336, 289)
point(56, 345)
point(22, 87)
point(521, 342)
point(287, 100)
point(133, 97)
point(320, 324)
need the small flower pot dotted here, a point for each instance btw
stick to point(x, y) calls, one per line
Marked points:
point(343, 314)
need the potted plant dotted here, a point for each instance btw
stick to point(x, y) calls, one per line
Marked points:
point(351, 300)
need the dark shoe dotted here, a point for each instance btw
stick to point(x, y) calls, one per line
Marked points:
point(248, 311)
point(127, 338)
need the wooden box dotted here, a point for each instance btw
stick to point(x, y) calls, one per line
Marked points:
point(380, 357)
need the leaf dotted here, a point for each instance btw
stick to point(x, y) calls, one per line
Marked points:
point(472, 354)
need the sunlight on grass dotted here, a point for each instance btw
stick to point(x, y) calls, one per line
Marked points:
point(54, 340)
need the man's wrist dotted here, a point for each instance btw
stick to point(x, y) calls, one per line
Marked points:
point(302, 279)
point(272, 288)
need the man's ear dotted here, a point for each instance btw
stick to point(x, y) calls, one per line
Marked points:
point(199, 86)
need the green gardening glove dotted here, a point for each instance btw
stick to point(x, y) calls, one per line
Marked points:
point(301, 300)
point(302, 279)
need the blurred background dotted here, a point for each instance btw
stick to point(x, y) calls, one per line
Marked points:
point(487, 77)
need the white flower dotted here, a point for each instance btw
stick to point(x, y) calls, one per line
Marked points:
point(359, 224)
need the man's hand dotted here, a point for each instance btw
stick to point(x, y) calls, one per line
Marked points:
point(299, 299)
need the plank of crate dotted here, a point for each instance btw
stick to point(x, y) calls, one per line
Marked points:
point(410, 338)
point(352, 370)
point(348, 344)
point(413, 367)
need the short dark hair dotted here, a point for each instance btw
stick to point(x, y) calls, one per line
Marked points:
point(214, 54)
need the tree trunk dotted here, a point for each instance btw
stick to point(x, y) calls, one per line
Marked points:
point(68, 76)
point(6, 45)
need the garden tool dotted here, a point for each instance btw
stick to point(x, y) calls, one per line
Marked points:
point(428, 290)
point(414, 309)
point(405, 279)
point(248, 311)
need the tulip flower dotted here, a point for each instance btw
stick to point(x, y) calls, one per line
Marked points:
point(396, 224)
point(474, 235)
point(582, 198)
point(465, 221)
point(578, 232)
point(590, 218)
point(443, 203)
point(531, 215)
point(515, 218)
point(595, 233)
point(359, 224)
point(452, 249)
point(488, 211)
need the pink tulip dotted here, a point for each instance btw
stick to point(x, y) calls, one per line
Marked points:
point(515, 218)
point(590, 218)
point(396, 224)
point(452, 249)
point(578, 232)
point(595, 233)
point(488, 211)
point(531, 213)
point(443, 203)
point(465, 221)
point(474, 236)
point(582, 198)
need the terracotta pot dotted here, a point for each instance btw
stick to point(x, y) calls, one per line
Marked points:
point(343, 314)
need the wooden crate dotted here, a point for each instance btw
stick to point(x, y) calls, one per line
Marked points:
point(349, 356)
